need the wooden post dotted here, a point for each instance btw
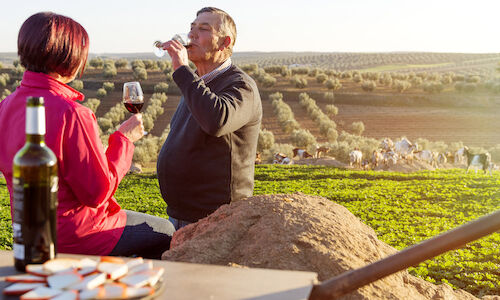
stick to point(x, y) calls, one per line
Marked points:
point(351, 280)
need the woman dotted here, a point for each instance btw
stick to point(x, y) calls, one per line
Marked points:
point(53, 48)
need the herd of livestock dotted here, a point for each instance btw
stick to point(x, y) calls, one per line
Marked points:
point(402, 151)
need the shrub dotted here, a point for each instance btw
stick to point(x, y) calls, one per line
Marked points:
point(16, 63)
point(101, 93)
point(149, 64)
point(105, 124)
point(320, 78)
point(401, 85)
point(108, 86)
point(140, 73)
point(329, 97)
point(432, 87)
point(357, 78)
point(265, 141)
point(5, 76)
point(92, 103)
point(161, 87)
point(333, 84)
point(164, 65)
point(332, 135)
point(77, 85)
point(96, 62)
point(1, 66)
point(357, 128)
point(385, 79)
point(331, 110)
point(3, 82)
point(368, 85)
point(303, 138)
point(5, 93)
point(121, 63)
point(268, 81)
point(109, 70)
point(138, 64)
point(16, 84)
point(299, 82)
point(473, 79)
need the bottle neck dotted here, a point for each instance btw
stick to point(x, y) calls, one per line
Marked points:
point(35, 138)
point(35, 124)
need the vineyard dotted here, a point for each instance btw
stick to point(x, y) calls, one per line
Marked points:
point(403, 209)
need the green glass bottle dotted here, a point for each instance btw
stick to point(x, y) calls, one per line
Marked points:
point(35, 185)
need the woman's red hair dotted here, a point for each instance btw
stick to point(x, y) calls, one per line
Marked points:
point(49, 42)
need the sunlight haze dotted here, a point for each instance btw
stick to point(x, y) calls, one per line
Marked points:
point(327, 26)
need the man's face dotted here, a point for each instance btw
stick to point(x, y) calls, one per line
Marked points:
point(205, 38)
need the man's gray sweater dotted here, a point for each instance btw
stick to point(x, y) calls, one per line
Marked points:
point(208, 157)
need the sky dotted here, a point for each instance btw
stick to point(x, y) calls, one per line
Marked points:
point(129, 26)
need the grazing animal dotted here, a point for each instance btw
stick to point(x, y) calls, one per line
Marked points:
point(427, 156)
point(322, 149)
point(377, 158)
point(282, 159)
point(258, 159)
point(404, 148)
point(386, 144)
point(450, 157)
point(441, 159)
point(365, 165)
point(482, 160)
point(301, 153)
point(460, 155)
point(390, 157)
point(355, 158)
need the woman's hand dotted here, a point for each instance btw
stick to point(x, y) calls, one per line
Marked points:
point(133, 128)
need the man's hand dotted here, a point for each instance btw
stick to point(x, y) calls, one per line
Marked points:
point(177, 52)
point(133, 128)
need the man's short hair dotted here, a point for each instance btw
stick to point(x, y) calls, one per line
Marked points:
point(48, 42)
point(227, 26)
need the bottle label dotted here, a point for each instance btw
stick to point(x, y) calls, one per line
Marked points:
point(35, 120)
point(18, 251)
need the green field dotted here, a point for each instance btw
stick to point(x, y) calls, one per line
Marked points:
point(403, 209)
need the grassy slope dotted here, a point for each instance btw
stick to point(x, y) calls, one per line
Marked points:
point(404, 209)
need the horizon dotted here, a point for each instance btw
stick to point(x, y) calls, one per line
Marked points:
point(358, 26)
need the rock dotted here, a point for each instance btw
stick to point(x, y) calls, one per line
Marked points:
point(298, 232)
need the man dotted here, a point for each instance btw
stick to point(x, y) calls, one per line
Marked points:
point(208, 157)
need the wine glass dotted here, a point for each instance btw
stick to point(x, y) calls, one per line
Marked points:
point(133, 98)
point(183, 38)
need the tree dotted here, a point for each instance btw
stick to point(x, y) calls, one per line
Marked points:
point(121, 63)
point(303, 138)
point(109, 70)
point(265, 141)
point(329, 97)
point(368, 85)
point(357, 128)
point(331, 110)
point(101, 93)
point(108, 86)
point(161, 87)
point(140, 73)
point(333, 84)
point(96, 62)
point(77, 85)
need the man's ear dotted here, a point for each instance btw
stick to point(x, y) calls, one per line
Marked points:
point(225, 43)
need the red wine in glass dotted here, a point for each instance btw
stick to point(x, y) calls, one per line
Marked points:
point(133, 98)
point(133, 107)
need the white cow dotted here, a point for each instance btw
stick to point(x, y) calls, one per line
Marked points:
point(282, 159)
point(427, 156)
point(355, 158)
point(386, 144)
point(460, 155)
point(441, 159)
point(390, 157)
point(404, 148)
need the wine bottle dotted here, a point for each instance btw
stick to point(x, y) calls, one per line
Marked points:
point(35, 185)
